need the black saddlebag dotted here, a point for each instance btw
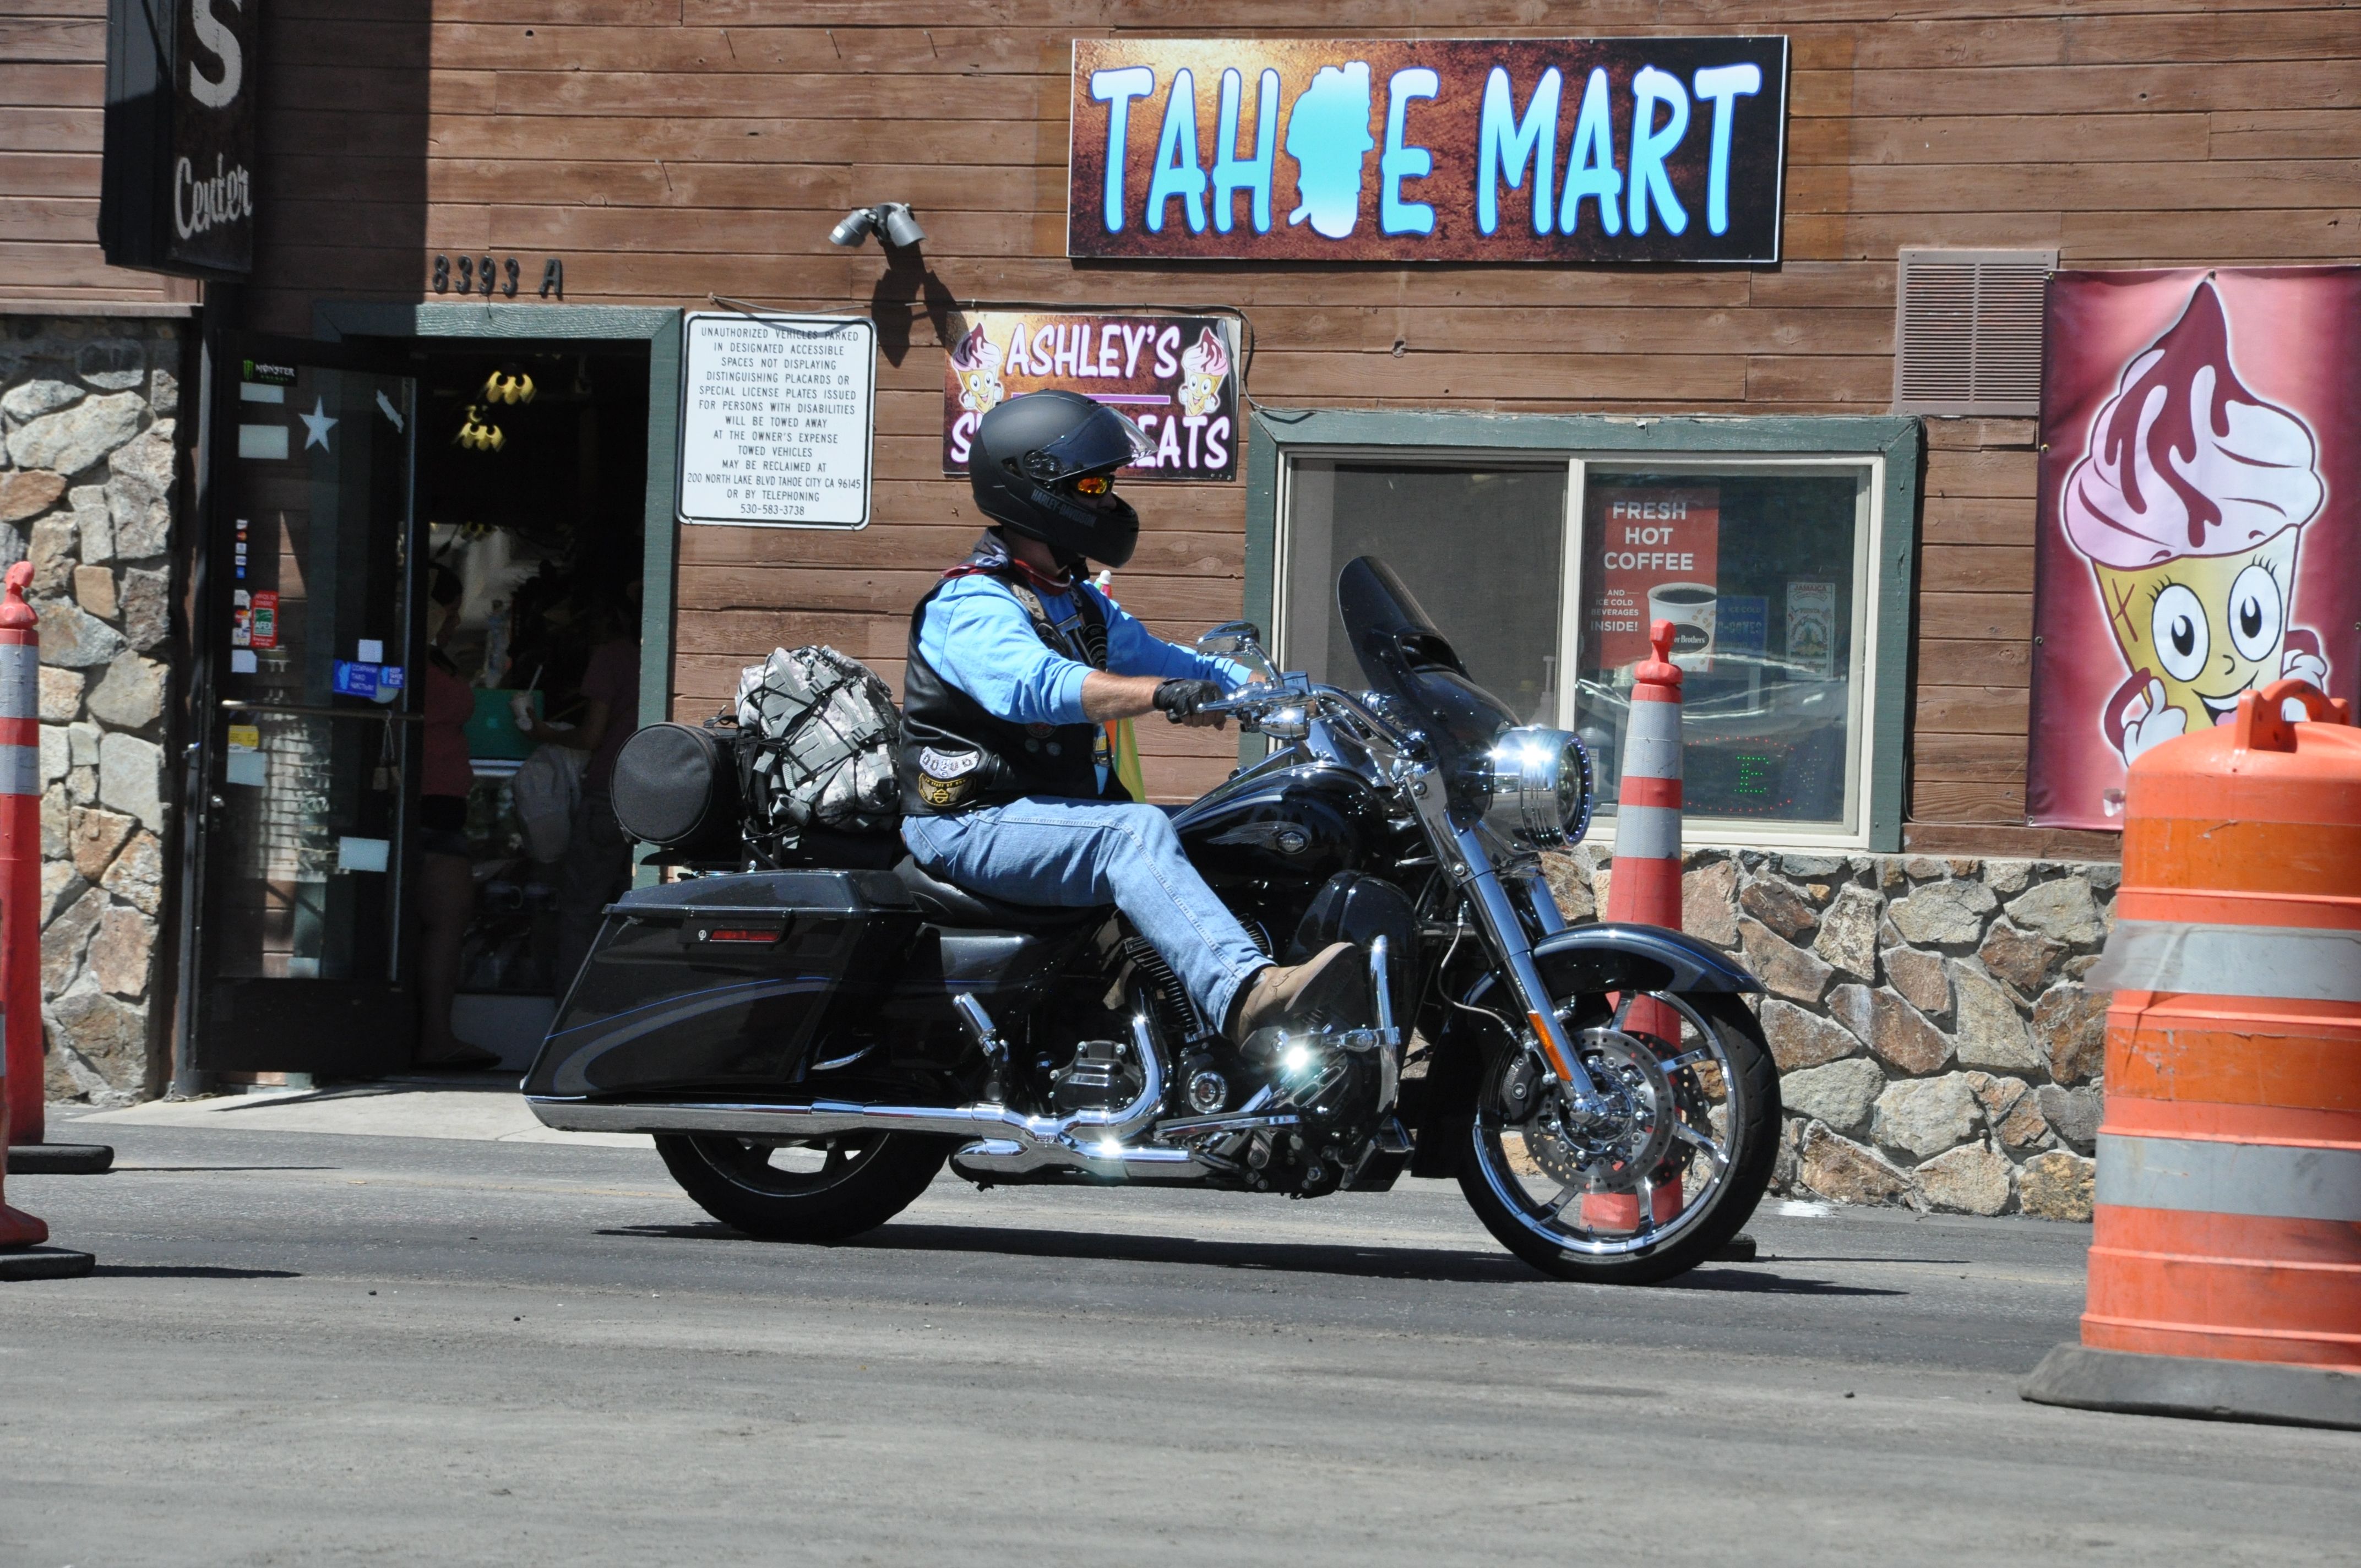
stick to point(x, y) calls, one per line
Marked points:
point(726, 982)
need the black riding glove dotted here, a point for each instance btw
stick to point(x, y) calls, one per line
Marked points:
point(1177, 699)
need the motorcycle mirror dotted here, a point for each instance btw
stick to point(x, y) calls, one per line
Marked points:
point(1234, 637)
point(1284, 724)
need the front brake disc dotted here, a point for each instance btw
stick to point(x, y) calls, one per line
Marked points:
point(1629, 1137)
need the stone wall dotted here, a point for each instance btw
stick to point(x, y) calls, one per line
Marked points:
point(88, 409)
point(1936, 1047)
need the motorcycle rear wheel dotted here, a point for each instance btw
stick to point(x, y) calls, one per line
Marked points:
point(826, 1190)
point(1726, 1089)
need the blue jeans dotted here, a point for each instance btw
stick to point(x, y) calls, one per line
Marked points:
point(1073, 853)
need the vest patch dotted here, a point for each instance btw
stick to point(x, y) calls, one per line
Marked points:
point(948, 764)
point(945, 777)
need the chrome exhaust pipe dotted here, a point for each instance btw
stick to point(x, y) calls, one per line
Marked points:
point(1092, 1142)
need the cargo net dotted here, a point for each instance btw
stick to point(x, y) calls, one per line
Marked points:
point(816, 733)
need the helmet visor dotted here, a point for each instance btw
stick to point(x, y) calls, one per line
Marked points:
point(1104, 440)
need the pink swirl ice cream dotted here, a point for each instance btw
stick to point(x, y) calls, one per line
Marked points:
point(1202, 366)
point(976, 363)
point(976, 352)
point(2184, 460)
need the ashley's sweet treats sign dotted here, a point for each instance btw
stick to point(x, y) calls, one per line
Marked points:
point(1175, 375)
point(1449, 150)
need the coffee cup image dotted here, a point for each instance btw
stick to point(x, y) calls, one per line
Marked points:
point(1689, 606)
point(2189, 505)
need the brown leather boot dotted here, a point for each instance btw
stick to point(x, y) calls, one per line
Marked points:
point(1331, 988)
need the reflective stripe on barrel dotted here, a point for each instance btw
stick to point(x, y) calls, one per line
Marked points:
point(2227, 1218)
point(20, 715)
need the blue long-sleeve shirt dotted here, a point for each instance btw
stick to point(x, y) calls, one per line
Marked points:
point(979, 639)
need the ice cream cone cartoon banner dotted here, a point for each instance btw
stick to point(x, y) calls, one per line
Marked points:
point(2200, 515)
point(1175, 375)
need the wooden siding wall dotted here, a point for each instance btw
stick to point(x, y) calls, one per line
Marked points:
point(52, 98)
point(670, 148)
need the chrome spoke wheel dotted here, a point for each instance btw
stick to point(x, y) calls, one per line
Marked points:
point(1645, 1165)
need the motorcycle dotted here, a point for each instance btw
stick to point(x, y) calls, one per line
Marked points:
point(809, 1044)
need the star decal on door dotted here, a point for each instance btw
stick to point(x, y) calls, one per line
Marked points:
point(318, 425)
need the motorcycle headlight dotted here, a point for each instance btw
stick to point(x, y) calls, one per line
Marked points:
point(1538, 784)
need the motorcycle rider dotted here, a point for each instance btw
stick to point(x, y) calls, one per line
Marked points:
point(1015, 664)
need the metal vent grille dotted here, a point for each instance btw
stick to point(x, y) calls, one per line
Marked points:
point(1968, 332)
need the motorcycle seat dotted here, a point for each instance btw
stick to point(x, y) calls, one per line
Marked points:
point(946, 904)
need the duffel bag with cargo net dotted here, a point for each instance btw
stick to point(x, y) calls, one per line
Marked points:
point(817, 732)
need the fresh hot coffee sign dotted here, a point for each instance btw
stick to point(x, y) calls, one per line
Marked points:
point(1452, 149)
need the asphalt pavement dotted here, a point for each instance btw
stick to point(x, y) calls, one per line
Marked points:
point(318, 1347)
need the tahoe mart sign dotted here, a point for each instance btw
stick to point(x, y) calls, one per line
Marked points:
point(1451, 150)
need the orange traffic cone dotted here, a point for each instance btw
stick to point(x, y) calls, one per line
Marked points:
point(2225, 1250)
point(20, 904)
point(1645, 885)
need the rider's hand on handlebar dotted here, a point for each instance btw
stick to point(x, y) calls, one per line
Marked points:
point(1179, 699)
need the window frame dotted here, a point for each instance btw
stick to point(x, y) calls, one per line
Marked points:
point(1887, 445)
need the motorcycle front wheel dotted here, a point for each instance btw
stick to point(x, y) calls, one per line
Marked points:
point(823, 1189)
point(1658, 1185)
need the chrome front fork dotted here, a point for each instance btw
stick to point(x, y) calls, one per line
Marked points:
point(1471, 868)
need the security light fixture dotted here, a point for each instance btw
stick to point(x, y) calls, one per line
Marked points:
point(891, 221)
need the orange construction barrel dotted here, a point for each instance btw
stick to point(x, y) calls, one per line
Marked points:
point(2225, 1256)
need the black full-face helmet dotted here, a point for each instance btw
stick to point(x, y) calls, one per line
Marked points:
point(1024, 461)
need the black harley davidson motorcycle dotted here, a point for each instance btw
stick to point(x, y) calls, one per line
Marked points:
point(809, 1045)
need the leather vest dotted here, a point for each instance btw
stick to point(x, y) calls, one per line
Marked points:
point(956, 756)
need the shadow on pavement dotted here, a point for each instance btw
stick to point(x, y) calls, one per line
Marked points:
point(188, 1271)
point(1279, 1257)
point(1369, 1262)
point(1752, 1282)
point(208, 1169)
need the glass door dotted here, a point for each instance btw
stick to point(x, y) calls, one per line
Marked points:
point(307, 713)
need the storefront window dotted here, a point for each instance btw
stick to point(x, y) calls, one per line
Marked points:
point(1481, 546)
point(1546, 574)
point(1756, 572)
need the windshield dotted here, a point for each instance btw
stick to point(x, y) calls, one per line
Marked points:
point(1405, 657)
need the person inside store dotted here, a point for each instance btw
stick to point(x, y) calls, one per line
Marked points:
point(597, 866)
point(447, 878)
point(1015, 664)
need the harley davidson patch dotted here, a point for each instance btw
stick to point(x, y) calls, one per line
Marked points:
point(945, 776)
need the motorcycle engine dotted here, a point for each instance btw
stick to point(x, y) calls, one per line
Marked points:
point(1333, 1091)
point(1101, 1076)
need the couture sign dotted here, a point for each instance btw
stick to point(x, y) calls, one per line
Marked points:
point(2201, 445)
point(177, 185)
point(1450, 149)
point(1175, 375)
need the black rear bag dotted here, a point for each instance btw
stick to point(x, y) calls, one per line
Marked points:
point(677, 787)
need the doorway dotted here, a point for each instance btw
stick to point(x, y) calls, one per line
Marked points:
point(508, 518)
point(532, 476)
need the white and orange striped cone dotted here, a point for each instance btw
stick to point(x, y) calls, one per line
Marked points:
point(1645, 885)
point(21, 854)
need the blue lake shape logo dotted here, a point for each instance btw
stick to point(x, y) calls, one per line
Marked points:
point(1328, 137)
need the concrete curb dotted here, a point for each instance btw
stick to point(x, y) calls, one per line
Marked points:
point(45, 1263)
point(2276, 1393)
point(60, 1159)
